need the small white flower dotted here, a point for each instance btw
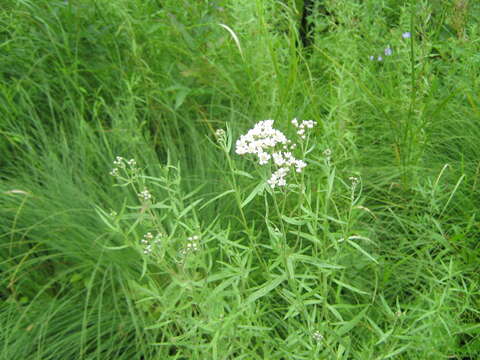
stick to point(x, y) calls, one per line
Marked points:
point(289, 159)
point(263, 158)
point(299, 165)
point(278, 159)
point(241, 149)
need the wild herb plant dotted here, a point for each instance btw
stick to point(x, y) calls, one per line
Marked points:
point(358, 243)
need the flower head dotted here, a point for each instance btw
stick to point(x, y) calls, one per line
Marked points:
point(145, 195)
point(406, 35)
point(268, 143)
point(149, 241)
point(119, 161)
point(191, 246)
point(317, 336)
point(305, 124)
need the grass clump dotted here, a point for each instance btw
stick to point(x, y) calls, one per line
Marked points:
point(351, 236)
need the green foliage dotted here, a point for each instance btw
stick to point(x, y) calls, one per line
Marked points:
point(371, 252)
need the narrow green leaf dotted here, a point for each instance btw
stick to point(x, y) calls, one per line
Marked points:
point(243, 173)
point(395, 352)
point(189, 208)
point(116, 247)
point(350, 287)
point(307, 236)
point(359, 248)
point(258, 190)
point(293, 221)
point(315, 261)
point(264, 290)
point(349, 325)
point(105, 218)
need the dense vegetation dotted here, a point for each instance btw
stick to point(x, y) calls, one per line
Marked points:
point(371, 251)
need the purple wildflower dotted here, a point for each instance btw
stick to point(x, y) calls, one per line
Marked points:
point(406, 35)
point(388, 51)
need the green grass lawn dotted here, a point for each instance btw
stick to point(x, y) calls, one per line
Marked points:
point(141, 217)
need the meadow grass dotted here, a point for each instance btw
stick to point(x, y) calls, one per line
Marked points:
point(371, 252)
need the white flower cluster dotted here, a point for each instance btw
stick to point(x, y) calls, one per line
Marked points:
point(354, 180)
point(145, 195)
point(317, 336)
point(309, 124)
point(149, 241)
point(114, 172)
point(121, 163)
point(191, 246)
point(263, 141)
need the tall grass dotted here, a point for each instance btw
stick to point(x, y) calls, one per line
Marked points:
point(370, 253)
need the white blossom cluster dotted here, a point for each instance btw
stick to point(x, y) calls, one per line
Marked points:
point(191, 246)
point(317, 336)
point(121, 163)
point(145, 195)
point(149, 241)
point(264, 141)
point(309, 124)
point(354, 180)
